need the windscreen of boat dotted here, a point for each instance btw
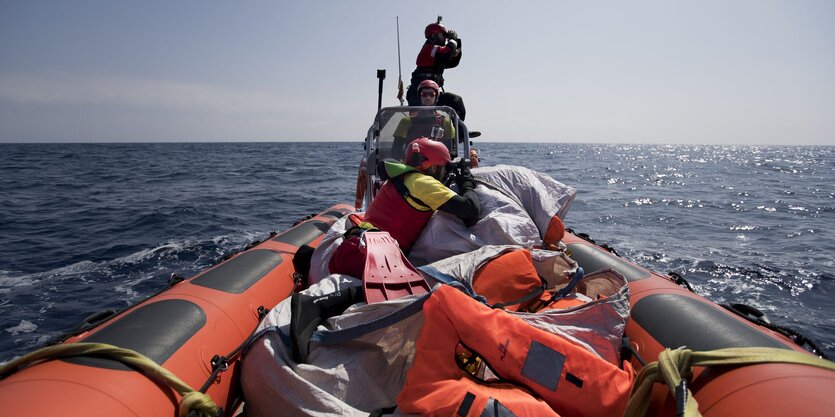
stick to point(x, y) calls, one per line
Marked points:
point(401, 125)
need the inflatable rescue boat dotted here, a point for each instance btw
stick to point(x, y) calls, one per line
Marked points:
point(601, 335)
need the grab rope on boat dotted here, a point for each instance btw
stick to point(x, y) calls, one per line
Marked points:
point(795, 336)
point(674, 366)
point(192, 404)
point(97, 319)
point(587, 238)
point(221, 363)
point(304, 219)
point(680, 280)
point(759, 318)
point(248, 246)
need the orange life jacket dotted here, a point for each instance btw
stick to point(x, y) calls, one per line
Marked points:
point(554, 233)
point(509, 280)
point(542, 373)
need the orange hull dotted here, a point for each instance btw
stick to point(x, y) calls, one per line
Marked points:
point(182, 329)
point(666, 315)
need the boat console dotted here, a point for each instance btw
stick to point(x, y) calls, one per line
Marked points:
point(395, 127)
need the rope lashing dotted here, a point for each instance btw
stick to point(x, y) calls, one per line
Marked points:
point(193, 403)
point(672, 364)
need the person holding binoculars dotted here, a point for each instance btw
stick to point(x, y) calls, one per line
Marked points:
point(441, 50)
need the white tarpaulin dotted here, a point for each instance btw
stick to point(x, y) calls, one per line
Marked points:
point(516, 204)
point(357, 361)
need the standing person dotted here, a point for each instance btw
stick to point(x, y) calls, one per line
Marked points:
point(406, 201)
point(441, 50)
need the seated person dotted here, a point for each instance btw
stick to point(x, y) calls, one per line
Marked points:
point(423, 124)
point(406, 201)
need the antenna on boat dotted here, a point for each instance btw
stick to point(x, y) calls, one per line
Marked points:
point(381, 75)
point(399, 70)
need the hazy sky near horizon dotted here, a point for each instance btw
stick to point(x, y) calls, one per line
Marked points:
point(711, 72)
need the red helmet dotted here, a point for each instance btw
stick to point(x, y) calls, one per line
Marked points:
point(429, 84)
point(432, 29)
point(424, 153)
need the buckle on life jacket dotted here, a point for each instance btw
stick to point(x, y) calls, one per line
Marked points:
point(388, 274)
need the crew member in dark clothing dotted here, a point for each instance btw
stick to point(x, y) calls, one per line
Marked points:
point(406, 201)
point(441, 50)
point(419, 124)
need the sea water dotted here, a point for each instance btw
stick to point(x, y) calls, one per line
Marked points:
point(90, 227)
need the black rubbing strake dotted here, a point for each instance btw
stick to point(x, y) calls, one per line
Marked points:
point(593, 259)
point(677, 320)
point(304, 233)
point(156, 330)
point(239, 273)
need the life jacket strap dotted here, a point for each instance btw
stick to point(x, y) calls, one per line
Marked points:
point(401, 188)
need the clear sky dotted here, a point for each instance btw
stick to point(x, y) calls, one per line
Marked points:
point(714, 72)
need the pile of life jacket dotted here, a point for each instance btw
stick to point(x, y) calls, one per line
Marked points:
point(535, 372)
point(480, 358)
point(488, 341)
